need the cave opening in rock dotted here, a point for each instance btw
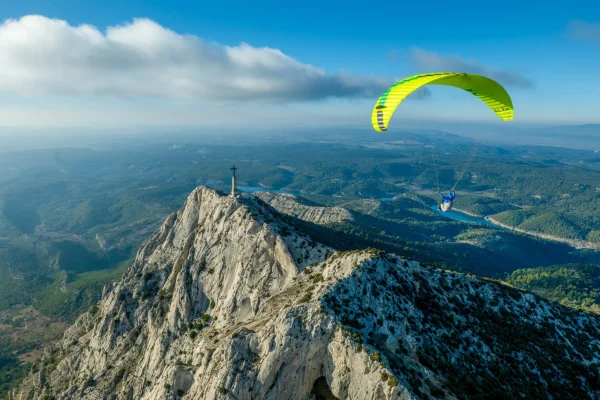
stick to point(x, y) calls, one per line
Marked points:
point(322, 391)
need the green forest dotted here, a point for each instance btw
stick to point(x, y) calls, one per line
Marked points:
point(71, 219)
point(574, 285)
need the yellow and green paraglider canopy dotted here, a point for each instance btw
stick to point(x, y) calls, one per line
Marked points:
point(486, 89)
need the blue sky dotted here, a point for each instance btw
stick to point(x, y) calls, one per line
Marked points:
point(540, 42)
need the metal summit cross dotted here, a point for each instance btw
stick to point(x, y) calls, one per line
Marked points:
point(233, 182)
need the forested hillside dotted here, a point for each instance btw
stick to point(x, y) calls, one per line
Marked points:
point(71, 217)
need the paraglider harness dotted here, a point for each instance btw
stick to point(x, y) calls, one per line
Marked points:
point(447, 201)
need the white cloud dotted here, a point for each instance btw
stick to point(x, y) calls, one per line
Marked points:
point(39, 55)
point(582, 30)
point(431, 61)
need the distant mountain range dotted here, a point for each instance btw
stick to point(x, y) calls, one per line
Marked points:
point(569, 136)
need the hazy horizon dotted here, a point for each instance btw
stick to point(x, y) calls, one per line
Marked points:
point(569, 136)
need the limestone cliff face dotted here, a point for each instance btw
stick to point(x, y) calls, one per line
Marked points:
point(288, 204)
point(228, 300)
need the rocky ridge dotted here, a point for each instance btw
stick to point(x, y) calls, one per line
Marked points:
point(230, 300)
point(289, 204)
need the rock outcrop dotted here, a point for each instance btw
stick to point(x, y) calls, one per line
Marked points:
point(289, 204)
point(230, 300)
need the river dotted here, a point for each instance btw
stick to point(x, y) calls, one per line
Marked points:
point(463, 217)
point(456, 215)
point(452, 214)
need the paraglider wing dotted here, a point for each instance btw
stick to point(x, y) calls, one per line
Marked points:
point(486, 89)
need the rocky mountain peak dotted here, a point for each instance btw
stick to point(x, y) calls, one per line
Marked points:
point(230, 300)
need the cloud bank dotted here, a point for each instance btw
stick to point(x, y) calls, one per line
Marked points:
point(431, 61)
point(582, 30)
point(39, 55)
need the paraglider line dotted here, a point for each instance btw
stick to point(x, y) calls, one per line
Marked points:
point(437, 181)
point(467, 163)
